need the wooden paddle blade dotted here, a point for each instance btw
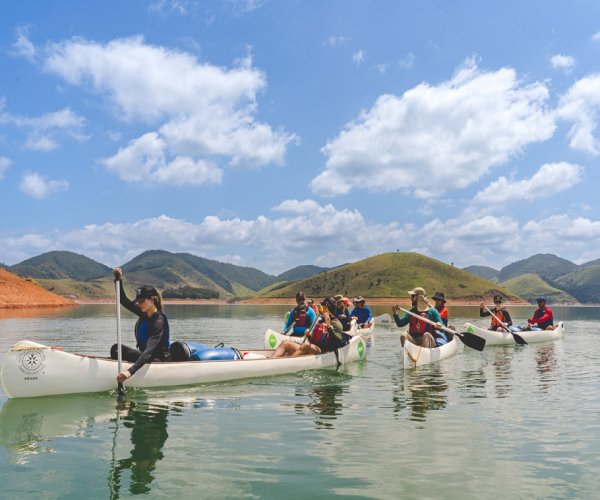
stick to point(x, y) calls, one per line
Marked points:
point(518, 339)
point(473, 341)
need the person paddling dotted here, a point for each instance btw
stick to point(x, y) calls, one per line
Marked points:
point(420, 332)
point(440, 305)
point(327, 335)
point(500, 314)
point(543, 317)
point(302, 317)
point(151, 329)
point(361, 312)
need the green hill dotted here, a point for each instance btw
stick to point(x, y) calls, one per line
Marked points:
point(60, 265)
point(583, 284)
point(530, 286)
point(482, 271)
point(300, 272)
point(393, 275)
point(547, 266)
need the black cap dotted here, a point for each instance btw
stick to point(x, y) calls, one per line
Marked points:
point(439, 296)
point(497, 298)
point(145, 292)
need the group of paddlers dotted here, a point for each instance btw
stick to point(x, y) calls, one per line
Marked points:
point(323, 325)
point(427, 324)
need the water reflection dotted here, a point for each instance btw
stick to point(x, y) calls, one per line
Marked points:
point(148, 424)
point(503, 370)
point(546, 363)
point(419, 392)
point(324, 399)
point(473, 383)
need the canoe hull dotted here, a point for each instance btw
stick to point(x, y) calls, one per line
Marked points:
point(504, 338)
point(272, 338)
point(414, 355)
point(31, 370)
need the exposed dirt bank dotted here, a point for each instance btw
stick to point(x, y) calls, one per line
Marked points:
point(16, 292)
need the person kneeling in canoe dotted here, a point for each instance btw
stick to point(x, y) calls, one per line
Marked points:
point(151, 329)
point(302, 317)
point(421, 332)
point(361, 312)
point(327, 335)
point(543, 317)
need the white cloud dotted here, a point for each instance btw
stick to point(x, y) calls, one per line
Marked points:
point(202, 111)
point(335, 41)
point(144, 161)
point(359, 57)
point(407, 61)
point(596, 36)
point(580, 105)
point(44, 131)
point(23, 47)
point(4, 164)
point(181, 7)
point(550, 179)
point(38, 187)
point(435, 139)
point(559, 61)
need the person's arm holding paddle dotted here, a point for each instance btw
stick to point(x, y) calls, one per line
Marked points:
point(400, 321)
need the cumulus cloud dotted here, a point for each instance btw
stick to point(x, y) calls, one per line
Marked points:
point(22, 46)
point(434, 139)
point(43, 132)
point(560, 61)
point(144, 161)
point(38, 187)
point(550, 179)
point(4, 164)
point(580, 105)
point(201, 111)
point(596, 36)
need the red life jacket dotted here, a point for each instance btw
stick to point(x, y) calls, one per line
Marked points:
point(300, 316)
point(319, 334)
point(500, 316)
point(415, 325)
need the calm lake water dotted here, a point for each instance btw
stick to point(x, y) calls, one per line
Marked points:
point(508, 422)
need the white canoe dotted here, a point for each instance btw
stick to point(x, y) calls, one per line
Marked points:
point(502, 338)
point(31, 369)
point(414, 355)
point(272, 338)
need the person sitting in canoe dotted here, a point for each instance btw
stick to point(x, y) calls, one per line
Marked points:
point(361, 312)
point(543, 317)
point(302, 317)
point(326, 336)
point(341, 311)
point(440, 305)
point(499, 314)
point(420, 332)
point(151, 329)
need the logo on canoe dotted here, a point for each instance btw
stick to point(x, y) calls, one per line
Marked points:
point(272, 341)
point(360, 348)
point(31, 362)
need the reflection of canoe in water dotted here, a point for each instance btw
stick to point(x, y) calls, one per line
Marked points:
point(414, 355)
point(272, 338)
point(24, 423)
point(32, 369)
point(532, 336)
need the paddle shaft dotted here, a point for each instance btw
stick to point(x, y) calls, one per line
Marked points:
point(504, 325)
point(470, 340)
point(518, 339)
point(120, 388)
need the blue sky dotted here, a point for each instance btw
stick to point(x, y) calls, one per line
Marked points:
point(278, 133)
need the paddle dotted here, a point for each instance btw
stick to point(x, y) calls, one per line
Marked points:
point(120, 386)
point(469, 339)
point(518, 339)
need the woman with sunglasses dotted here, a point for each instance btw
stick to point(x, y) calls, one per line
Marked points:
point(302, 317)
point(500, 314)
point(151, 328)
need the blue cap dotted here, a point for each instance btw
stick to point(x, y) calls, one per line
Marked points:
point(541, 299)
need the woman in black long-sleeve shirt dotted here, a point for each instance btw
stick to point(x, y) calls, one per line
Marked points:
point(151, 330)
